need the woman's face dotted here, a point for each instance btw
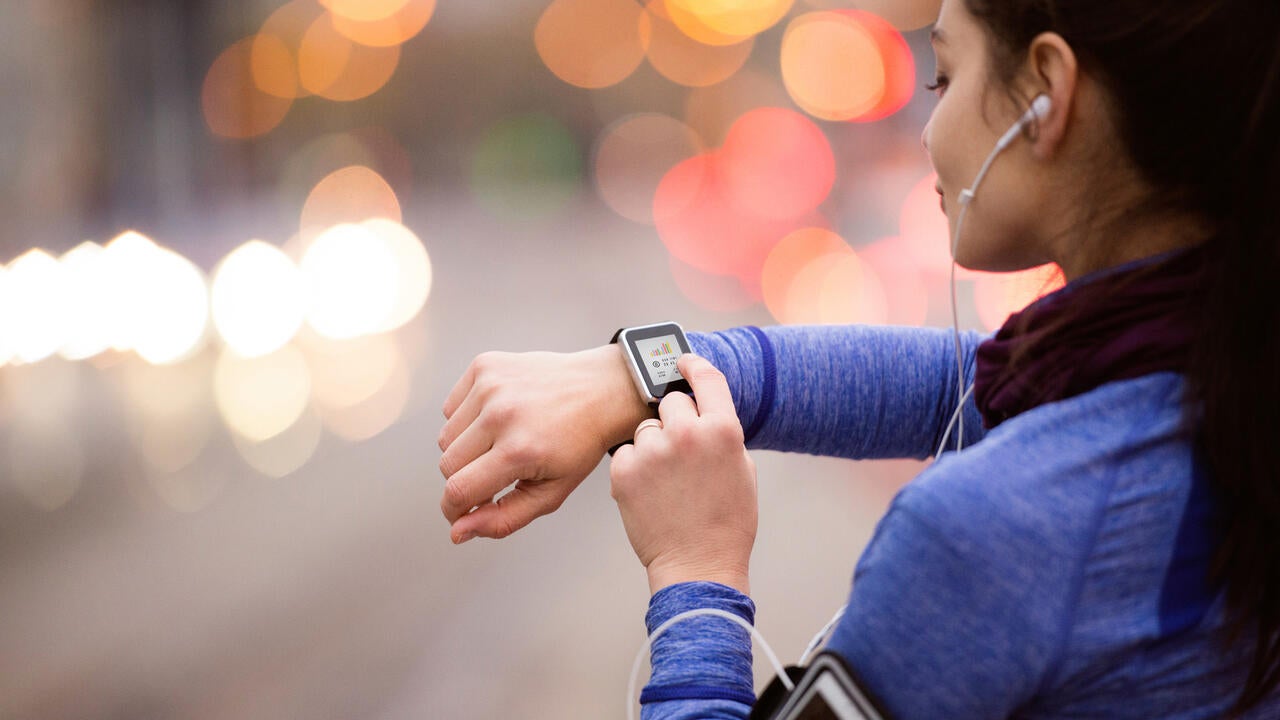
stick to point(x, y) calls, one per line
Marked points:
point(1001, 229)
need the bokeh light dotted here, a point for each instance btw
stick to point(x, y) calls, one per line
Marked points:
point(998, 295)
point(234, 106)
point(274, 55)
point(44, 453)
point(526, 167)
point(632, 156)
point(905, 290)
point(686, 61)
point(792, 254)
point(924, 229)
point(345, 373)
point(592, 43)
point(364, 10)
point(258, 299)
point(334, 67)
point(173, 308)
point(413, 279)
point(350, 276)
point(846, 65)
point(777, 164)
point(348, 195)
point(284, 453)
point(717, 293)
point(395, 29)
point(261, 397)
point(369, 417)
point(721, 22)
point(88, 322)
point(711, 111)
point(170, 410)
point(814, 277)
point(36, 305)
point(903, 14)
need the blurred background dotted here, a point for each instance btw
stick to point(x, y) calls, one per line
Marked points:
point(250, 245)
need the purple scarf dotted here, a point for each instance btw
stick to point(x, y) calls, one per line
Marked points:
point(1112, 325)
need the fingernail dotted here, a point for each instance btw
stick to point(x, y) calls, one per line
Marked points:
point(463, 538)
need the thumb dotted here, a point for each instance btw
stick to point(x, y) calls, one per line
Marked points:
point(509, 513)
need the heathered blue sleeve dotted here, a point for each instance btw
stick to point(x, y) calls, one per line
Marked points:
point(702, 665)
point(852, 391)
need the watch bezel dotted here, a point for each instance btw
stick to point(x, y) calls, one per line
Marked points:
point(628, 338)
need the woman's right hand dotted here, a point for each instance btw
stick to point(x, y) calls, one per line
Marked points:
point(540, 421)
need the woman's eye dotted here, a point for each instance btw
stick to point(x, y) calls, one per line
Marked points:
point(939, 85)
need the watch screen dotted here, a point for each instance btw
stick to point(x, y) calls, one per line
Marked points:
point(658, 354)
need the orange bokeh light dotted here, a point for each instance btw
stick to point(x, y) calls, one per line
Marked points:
point(925, 231)
point(998, 295)
point(333, 67)
point(349, 195)
point(716, 22)
point(847, 65)
point(364, 10)
point(795, 252)
point(592, 43)
point(633, 155)
point(686, 61)
point(394, 29)
point(233, 105)
point(814, 277)
point(777, 164)
point(275, 48)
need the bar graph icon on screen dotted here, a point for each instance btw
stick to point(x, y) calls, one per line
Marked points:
point(663, 349)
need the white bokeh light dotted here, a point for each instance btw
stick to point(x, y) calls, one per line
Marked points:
point(258, 299)
point(351, 276)
point(413, 271)
point(35, 306)
point(89, 321)
point(259, 398)
point(175, 319)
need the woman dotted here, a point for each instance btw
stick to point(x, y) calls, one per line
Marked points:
point(1103, 547)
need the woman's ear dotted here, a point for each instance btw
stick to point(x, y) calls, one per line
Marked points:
point(1052, 70)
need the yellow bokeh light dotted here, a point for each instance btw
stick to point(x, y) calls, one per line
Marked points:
point(261, 397)
point(592, 43)
point(364, 10)
point(36, 306)
point(373, 415)
point(686, 61)
point(832, 66)
point(233, 104)
point(284, 453)
point(345, 373)
point(394, 29)
point(349, 195)
point(333, 67)
point(258, 299)
point(169, 410)
point(634, 154)
point(725, 22)
point(351, 276)
point(88, 323)
point(413, 271)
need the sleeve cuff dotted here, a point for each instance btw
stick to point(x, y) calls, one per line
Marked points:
point(702, 657)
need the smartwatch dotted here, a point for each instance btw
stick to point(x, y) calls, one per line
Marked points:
point(651, 352)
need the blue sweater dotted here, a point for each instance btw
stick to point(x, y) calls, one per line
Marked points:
point(1052, 569)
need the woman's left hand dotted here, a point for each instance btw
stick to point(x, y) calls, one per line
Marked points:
point(687, 487)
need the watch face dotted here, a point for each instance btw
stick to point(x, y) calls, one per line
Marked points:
point(653, 351)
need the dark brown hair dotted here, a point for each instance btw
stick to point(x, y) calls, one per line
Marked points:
point(1194, 91)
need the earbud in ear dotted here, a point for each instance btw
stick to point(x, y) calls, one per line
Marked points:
point(1040, 106)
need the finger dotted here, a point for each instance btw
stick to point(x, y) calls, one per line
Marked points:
point(460, 390)
point(646, 433)
point(709, 386)
point(462, 417)
point(480, 480)
point(505, 516)
point(677, 408)
point(462, 450)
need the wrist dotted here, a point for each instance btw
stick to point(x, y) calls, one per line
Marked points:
point(622, 408)
point(731, 574)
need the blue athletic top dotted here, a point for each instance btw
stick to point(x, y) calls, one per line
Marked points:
point(1052, 569)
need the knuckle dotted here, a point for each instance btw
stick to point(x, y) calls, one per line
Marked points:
point(446, 467)
point(503, 527)
point(455, 497)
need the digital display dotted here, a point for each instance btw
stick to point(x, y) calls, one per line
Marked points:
point(658, 355)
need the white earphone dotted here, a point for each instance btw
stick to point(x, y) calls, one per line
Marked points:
point(1038, 111)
